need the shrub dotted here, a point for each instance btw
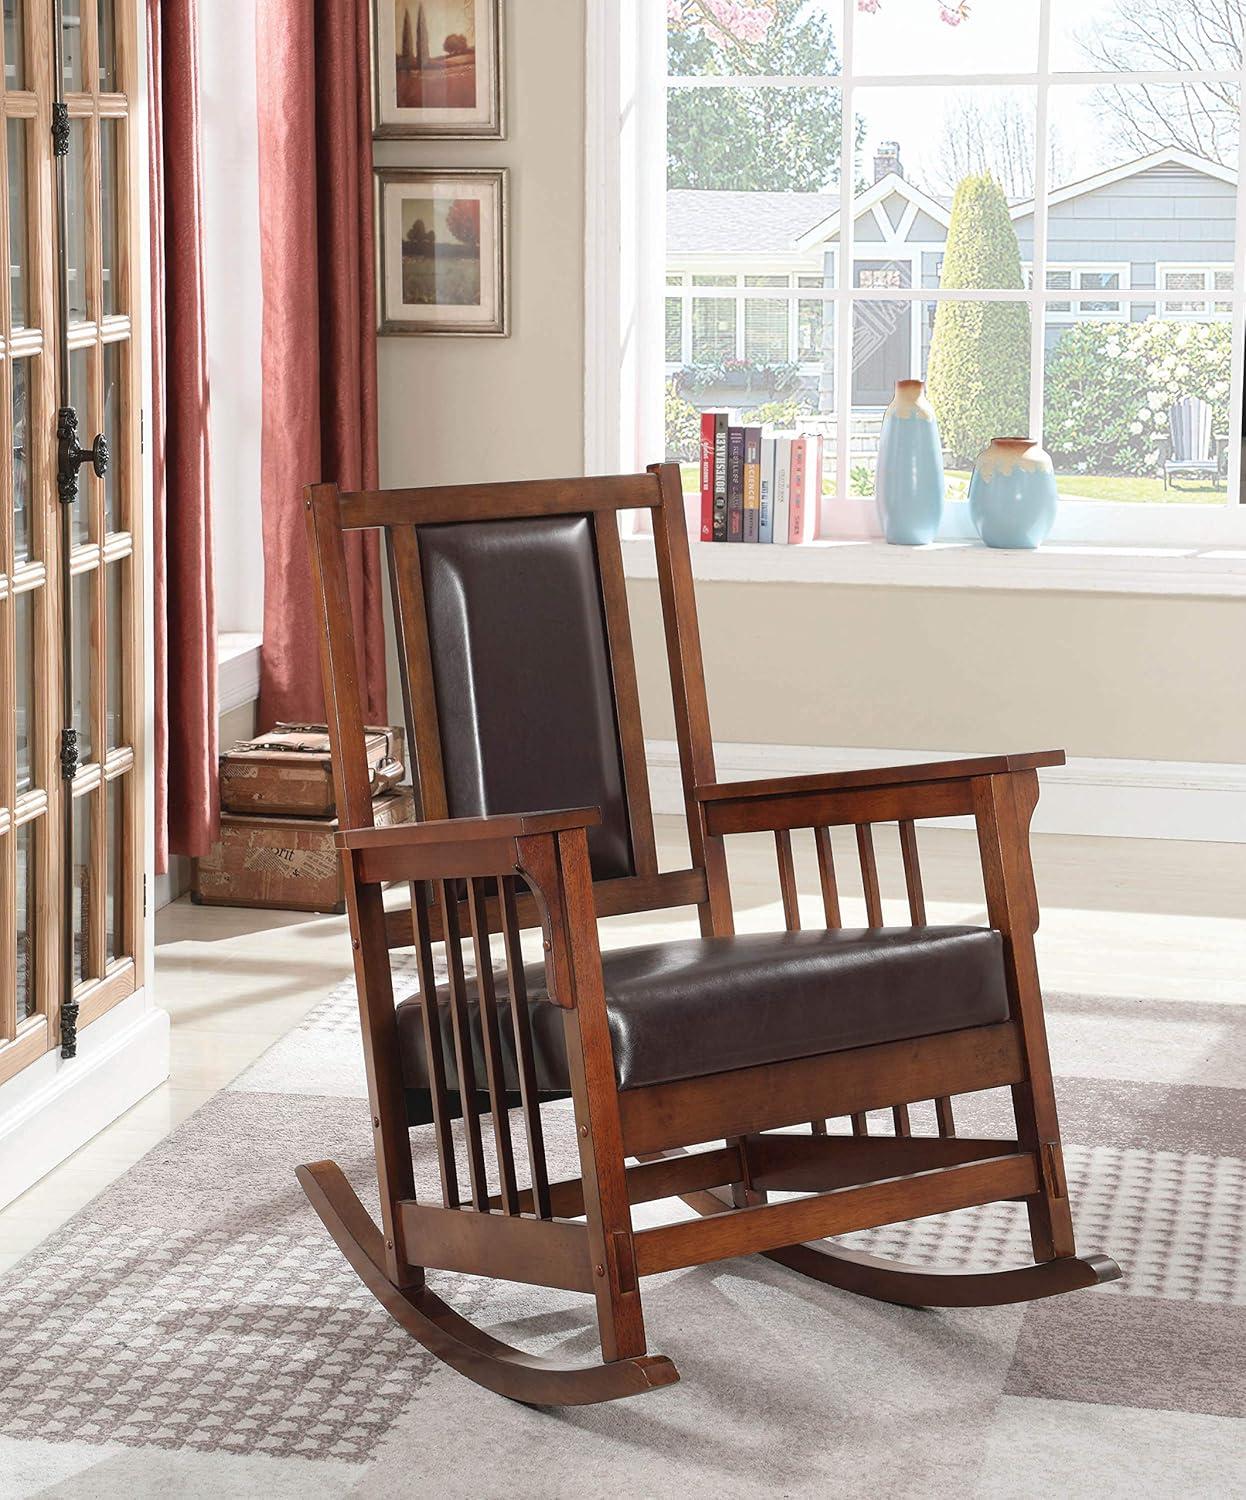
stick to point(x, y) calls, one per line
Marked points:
point(1110, 385)
point(779, 413)
point(978, 376)
point(683, 427)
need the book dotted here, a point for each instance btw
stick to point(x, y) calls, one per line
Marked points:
point(707, 476)
point(804, 522)
point(782, 488)
point(735, 484)
point(765, 506)
point(720, 476)
point(796, 509)
point(752, 483)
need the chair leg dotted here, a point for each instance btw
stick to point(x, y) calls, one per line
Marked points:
point(445, 1333)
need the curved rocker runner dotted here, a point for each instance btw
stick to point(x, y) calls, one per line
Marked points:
point(741, 1045)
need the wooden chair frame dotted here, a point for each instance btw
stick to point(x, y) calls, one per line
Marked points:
point(498, 874)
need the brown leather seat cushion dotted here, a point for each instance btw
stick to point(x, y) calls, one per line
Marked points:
point(697, 1006)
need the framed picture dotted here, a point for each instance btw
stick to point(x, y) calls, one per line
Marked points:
point(438, 68)
point(443, 253)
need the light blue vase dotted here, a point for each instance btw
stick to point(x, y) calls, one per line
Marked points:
point(909, 485)
point(1012, 494)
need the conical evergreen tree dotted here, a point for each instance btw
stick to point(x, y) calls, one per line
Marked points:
point(978, 375)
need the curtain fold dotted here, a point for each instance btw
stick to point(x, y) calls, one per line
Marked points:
point(185, 749)
point(319, 336)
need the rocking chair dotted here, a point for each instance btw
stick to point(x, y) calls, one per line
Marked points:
point(520, 691)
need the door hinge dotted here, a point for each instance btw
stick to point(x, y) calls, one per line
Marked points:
point(60, 128)
point(69, 754)
point(142, 429)
point(144, 895)
point(69, 1029)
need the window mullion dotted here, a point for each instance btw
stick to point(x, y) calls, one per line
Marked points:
point(842, 305)
point(1038, 282)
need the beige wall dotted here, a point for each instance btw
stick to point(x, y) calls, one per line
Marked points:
point(459, 409)
point(939, 669)
point(1111, 676)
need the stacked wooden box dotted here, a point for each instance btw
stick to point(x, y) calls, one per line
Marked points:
point(278, 818)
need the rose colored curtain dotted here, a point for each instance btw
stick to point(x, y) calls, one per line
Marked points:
point(184, 606)
point(319, 359)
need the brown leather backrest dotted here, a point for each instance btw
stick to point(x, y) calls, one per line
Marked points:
point(521, 668)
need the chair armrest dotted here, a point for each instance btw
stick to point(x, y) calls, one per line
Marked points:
point(940, 788)
point(451, 848)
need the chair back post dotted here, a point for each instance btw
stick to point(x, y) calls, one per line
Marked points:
point(687, 674)
point(339, 659)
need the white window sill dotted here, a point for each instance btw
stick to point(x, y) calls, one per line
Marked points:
point(1204, 572)
point(237, 670)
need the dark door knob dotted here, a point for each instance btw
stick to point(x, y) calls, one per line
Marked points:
point(71, 455)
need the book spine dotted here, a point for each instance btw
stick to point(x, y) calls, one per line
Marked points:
point(707, 476)
point(765, 508)
point(735, 484)
point(782, 488)
point(720, 476)
point(813, 503)
point(752, 483)
point(796, 514)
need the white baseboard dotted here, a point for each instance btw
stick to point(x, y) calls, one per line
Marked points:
point(53, 1107)
point(1111, 798)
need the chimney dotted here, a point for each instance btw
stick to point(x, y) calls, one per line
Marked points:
point(887, 159)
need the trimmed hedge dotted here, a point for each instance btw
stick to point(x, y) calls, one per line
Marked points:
point(1110, 385)
point(978, 375)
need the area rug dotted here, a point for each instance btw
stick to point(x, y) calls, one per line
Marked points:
point(193, 1332)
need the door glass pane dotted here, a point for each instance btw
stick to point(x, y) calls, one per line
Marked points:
point(108, 212)
point(14, 46)
point(114, 895)
point(113, 367)
point(84, 891)
point(21, 460)
point(114, 703)
point(23, 630)
point(27, 905)
point(71, 43)
point(108, 47)
point(76, 222)
point(18, 239)
point(80, 400)
point(83, 604)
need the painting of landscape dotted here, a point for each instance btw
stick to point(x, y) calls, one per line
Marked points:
point(441, 252)
point(435, 60)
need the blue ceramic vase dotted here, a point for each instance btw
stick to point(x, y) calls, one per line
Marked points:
point(909, 484)
point(1012, 494)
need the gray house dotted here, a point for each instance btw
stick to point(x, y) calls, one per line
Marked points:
point(1165, 221)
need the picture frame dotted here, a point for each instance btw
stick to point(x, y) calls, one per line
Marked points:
point(438, 69)
point(443, 251)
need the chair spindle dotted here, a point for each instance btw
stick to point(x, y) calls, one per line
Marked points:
point(943, 1113)
point(430, 1016)
point(495, 1073)
point(912, 872)
point(900, 1119)
point(860, 1124)
point(787, 880)
point(869, 875)
point(464, 1058)
point(826, 871)
point(522, 1023)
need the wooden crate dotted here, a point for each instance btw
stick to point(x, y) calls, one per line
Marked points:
point(287, 772)
point(288, 863)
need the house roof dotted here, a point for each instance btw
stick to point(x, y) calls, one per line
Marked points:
point(701, 221)
point(698, 220)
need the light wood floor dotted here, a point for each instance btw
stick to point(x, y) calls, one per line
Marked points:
point(1121, 918)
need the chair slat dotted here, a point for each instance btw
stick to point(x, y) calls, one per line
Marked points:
point(943, 1113)
point(494, 1070)
point(826, 872)
point(464, 1058)
point(900, 1119)
point(430, 1009)
point(912, 872)
point(869, 875)
point(522, 1023)
point(787, 880)
point(860, 1123)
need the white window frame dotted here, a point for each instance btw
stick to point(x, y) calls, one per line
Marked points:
point(1076, 312)
point(626, 268)
point(1208, 294)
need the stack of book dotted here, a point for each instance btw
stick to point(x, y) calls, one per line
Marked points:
point(757, 484)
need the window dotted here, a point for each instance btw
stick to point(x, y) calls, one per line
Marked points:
point(1037, 202)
